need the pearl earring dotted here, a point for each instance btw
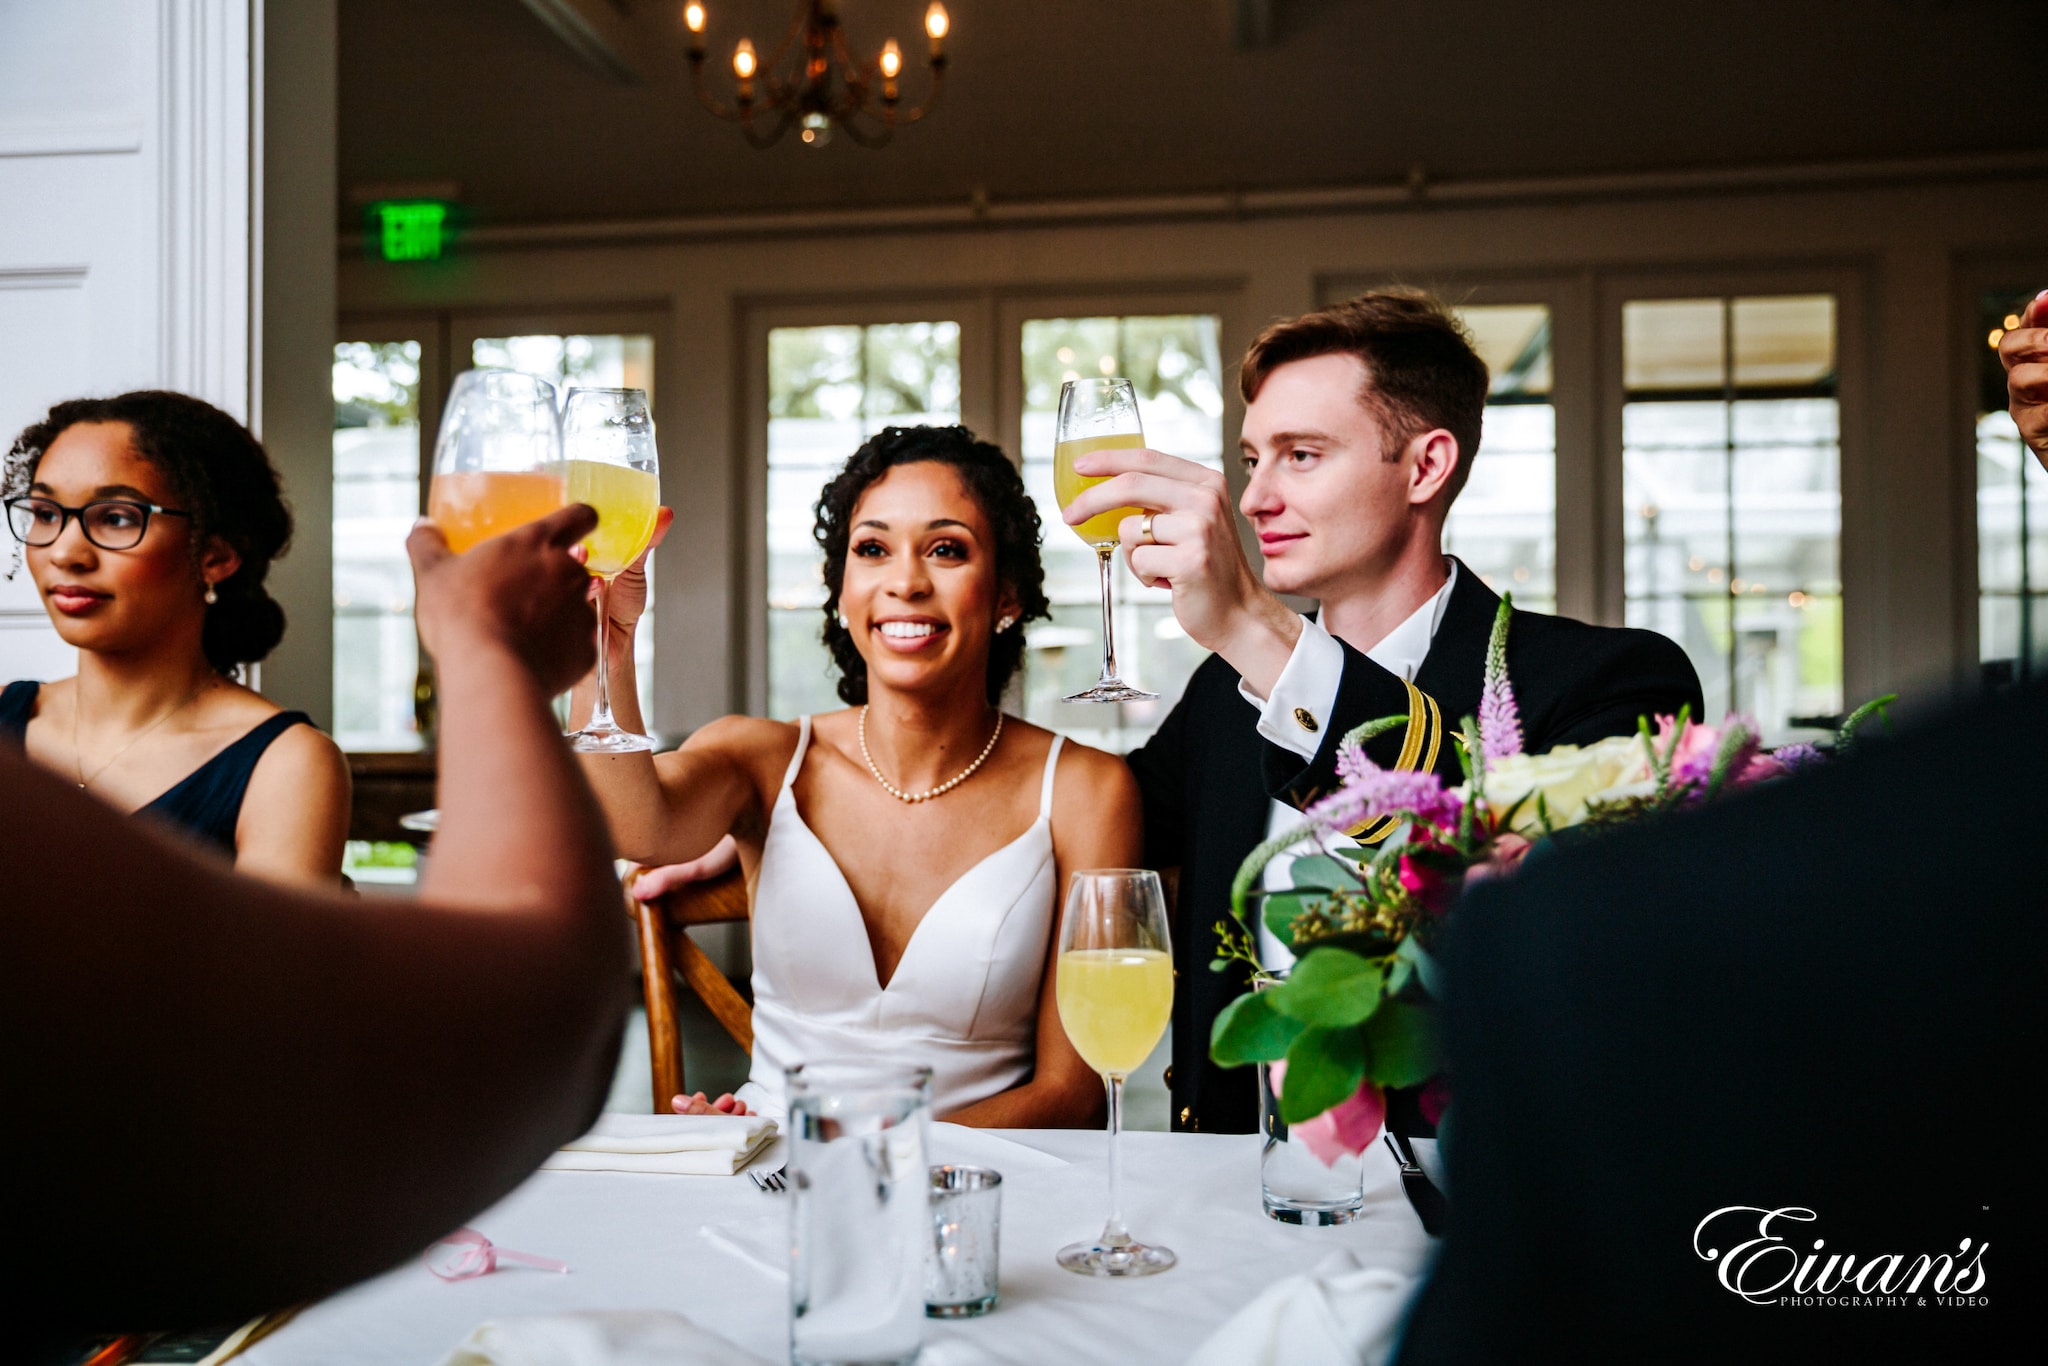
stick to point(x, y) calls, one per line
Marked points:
point(212, 596)
point(1005, 624)
point(844, 624)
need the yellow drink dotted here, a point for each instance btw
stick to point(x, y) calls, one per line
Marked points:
point(475, 505)
point(1114, 1005)
point(1067, 485)
point(626, 500)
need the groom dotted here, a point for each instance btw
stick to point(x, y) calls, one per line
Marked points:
point(1361, 423)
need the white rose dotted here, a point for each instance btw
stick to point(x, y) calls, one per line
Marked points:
point(1568, 779)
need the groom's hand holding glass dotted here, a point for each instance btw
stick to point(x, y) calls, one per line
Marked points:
point(1185, 539)
point(2024, 353)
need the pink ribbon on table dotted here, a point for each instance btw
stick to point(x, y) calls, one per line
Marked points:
point(466, 1253)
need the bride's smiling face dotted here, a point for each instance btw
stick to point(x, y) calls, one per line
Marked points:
point(920, 593)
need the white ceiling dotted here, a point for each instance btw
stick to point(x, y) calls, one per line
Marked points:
point(1060, 98)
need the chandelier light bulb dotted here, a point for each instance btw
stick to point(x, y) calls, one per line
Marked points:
point(892, 59)
point(937, 25)
point(744, 61)
point(693, 17)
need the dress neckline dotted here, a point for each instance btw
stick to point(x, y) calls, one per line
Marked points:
point(788, 795)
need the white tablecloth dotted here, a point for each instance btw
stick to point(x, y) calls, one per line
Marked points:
point(632, 1242)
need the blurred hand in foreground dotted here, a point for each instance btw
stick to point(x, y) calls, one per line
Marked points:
point(520, 592)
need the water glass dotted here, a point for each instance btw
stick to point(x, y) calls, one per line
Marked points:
point(1297, 1187)
point(860, 1215)
point(967, 1213)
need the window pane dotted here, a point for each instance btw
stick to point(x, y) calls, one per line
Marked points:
point(579, 361)
point(376, 498)
point(829, 389)
point(2012, 517)
point(1731, 463)
point(1173, 362)
point(1504, 523)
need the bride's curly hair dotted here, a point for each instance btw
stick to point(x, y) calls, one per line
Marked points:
point(996, 488)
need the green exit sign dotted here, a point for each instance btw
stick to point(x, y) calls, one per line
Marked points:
point(410, 230)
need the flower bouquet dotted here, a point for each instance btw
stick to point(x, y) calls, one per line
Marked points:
point(1355, 1016)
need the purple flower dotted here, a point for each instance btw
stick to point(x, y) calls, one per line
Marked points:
point(1370, 792)
point(1796, 757)
point(1500, 720)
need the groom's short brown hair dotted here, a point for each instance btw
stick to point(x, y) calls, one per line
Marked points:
point(1418, 357)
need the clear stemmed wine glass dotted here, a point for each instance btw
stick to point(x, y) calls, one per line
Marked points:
point(1098, 414)
point(498, 457)
point(1115, 991)
point(608, 439)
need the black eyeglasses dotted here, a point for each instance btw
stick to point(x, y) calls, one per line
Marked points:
point(109, 523)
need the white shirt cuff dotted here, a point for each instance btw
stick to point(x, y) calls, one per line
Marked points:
point(1295, 716)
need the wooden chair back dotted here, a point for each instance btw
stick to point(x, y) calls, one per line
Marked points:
point(669, 955)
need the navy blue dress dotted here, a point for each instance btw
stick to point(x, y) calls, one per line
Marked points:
point(208, 802)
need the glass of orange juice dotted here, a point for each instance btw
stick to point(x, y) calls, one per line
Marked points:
point(1095, 415)
point(608, 437)
point(498, 457)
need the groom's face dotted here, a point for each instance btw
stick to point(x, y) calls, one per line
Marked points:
point(1330, 509)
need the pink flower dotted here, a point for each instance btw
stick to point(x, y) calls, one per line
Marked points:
point(1692, 762)
point(1370, 792)
point(1345, 1129)
point(1435, 1099)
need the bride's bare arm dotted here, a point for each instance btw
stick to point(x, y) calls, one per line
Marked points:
point(1095, 824)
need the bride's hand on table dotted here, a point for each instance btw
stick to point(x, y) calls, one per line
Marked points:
point(696, 1104)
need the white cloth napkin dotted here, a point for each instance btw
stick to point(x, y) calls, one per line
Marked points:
point(668, 1145)
point(607, 1337)
point(1340, 1314)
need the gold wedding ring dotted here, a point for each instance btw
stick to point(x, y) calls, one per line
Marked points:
point(1145, 531)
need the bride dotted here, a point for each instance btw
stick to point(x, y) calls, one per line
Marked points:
point(907, 855)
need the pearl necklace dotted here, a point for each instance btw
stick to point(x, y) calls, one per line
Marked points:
point(943, 788)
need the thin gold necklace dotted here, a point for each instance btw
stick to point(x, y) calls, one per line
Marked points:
point(78, 758)
point(943, 788)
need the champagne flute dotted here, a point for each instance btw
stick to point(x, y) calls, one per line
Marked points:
point(1115, 992)
point(608, 437)
point(497, 458)
point(1097, 415)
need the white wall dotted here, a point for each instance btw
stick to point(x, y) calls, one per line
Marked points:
point(131, 205)
point(1902, 251)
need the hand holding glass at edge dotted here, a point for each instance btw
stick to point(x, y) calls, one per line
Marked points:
point(1095, 415)
point(1115, 993)
point(608, 439)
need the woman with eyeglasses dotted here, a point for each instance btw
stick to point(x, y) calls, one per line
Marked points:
point(148, 523)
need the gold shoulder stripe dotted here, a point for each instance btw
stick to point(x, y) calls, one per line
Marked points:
point(1425, 732)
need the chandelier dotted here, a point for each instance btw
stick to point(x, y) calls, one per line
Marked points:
point(814, 83)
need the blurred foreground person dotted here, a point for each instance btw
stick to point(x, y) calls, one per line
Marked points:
point(2024, 353)
point(226, 1096)
point(149, 522)
point(1739, 1085)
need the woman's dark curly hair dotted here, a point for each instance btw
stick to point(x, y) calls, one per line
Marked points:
point(219, 474)
point(996, 488)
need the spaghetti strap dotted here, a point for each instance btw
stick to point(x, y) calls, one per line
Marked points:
point(1052, 758)
point(796, 760)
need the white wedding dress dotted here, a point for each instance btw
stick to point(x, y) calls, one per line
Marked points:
point(964, 999)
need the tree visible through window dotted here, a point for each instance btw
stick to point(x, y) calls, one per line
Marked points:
point(1504, 524)
point(830, 389)
point(1732, 498)
point(376, 498)
point(1173, 363)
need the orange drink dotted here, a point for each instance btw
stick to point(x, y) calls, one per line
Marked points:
point(474, 505)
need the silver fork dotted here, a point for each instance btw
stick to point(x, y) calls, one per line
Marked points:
point(771, 1182)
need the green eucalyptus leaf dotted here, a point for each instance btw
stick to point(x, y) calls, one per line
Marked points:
point(1323, 872)
point(1425, 965)
point(1324, 1068)
point(1330, 988)
point(1401, 1044)
point(1280, 911)
point(1251, 1030)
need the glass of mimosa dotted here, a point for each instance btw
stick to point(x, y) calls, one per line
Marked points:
point(498, 457)
point(1095, 415)
point(1115, 992)
point(608, 438)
